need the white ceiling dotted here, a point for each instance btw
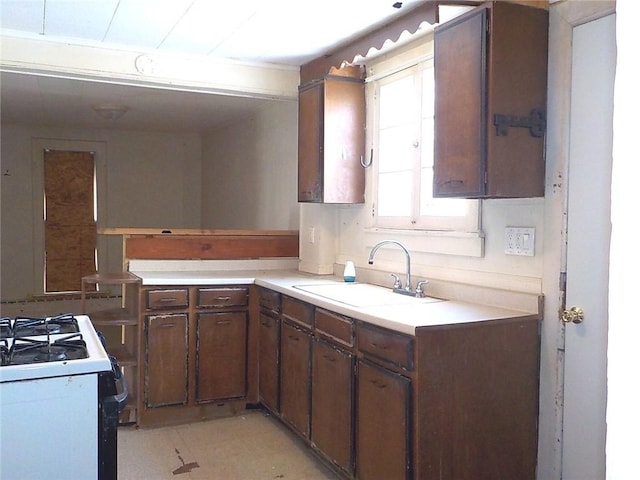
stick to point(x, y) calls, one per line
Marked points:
point(286, 32)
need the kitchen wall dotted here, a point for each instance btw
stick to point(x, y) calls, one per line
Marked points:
point(134, 189)
point(333, 234)
point(251, 170)
point(233, 178)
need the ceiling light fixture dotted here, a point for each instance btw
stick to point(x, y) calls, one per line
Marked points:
point(110, 112)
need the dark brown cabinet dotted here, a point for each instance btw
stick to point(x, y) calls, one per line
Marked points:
point(221, 356)
point(490, 102)
point(295, 386)
point(333, 388)
point(452, 402)
point(196, 351)
point(383, 423)
point(166, 359)
point(332, 403)
point(331, 133)
point(295, 364)
point(269, 349)
point(384, 403)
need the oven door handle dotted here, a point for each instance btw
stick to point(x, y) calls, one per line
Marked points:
point(120, 399)
point(114, 404)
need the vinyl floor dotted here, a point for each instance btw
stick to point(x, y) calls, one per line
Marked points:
point(248, 446)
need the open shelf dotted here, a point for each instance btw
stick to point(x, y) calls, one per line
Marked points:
point(115, 316)
point(120, 328)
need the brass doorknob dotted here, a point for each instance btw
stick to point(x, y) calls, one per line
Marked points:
point(573, 315)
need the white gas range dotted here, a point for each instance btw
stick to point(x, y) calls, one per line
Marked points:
point(56, 381)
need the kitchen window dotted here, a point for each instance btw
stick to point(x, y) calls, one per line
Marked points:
point(402, 98)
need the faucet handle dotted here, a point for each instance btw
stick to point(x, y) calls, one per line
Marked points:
point(396, 281)
point(419, 289)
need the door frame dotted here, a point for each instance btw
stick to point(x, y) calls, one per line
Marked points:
point(563, 17)
point(38, 146)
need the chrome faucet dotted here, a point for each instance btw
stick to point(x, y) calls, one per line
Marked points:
point(397, 287)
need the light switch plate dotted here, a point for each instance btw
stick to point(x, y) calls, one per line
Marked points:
point(520, 241)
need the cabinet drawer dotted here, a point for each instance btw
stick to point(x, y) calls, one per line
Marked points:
point(297, 311)
point(336, 327)
point(269, 299)
point(386, 345)
point(174, 298)
point(223, 297)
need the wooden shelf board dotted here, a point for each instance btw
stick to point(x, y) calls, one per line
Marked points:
point(114, 316)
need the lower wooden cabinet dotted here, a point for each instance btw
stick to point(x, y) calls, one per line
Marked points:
point(452, 402)
point(166, 359)
point(221, 356)
point(295, 380)
point(269, 362)
point(332, 396)
point(383, 416)
point(196, 342)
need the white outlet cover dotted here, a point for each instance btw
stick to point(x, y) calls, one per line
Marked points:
point(520, 241)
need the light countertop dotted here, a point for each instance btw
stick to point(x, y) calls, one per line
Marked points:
point(405, 317)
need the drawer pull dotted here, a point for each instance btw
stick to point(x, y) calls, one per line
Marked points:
point(378, 385)
point(223, 299)
point(327, 357)
point(223, 322)
point(293, 337)
point(382, 347)
point(168, 299)
point(265, 324)
point(167, 325)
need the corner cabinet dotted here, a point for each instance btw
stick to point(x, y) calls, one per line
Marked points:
point(490, 102)
point(331, 136)
point(120, 328)
point(195, 341)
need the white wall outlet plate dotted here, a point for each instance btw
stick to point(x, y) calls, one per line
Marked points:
point(520, 241)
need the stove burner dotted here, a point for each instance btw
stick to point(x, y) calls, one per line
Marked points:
point(5, 327)
point(29, 350)
point(50, 354)
point(4, 352)
point(28, 327)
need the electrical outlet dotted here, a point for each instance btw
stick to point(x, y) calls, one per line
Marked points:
point(520, 241)
point(311, 235)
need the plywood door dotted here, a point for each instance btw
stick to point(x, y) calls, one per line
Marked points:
point(70, 226)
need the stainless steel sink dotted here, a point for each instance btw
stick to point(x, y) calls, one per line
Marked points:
point(362, 294)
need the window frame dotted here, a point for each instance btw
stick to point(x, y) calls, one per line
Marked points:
point(413, 59)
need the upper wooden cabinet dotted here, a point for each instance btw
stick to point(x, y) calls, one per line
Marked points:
point(331, 133)
point(490, 107)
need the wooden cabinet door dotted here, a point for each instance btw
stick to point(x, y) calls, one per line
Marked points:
point(269, 361)
point(166, 359)
point(460, 106)
point(490, 102)
point(332, 403)
point(310, 146)
point(295, 386)
point(382, 424)
point(221, 361)
point(344, 129)
point(331, 136)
